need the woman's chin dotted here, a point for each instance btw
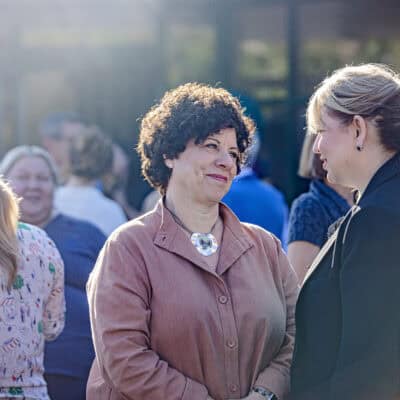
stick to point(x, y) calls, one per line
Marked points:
point(34, 217)
point(331, 178)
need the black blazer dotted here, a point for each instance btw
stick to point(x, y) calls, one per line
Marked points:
point(348, 311)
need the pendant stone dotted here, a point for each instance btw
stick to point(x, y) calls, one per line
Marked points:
point(205, 243)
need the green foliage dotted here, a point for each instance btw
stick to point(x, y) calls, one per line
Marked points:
point(190, 54)
point(321, 57)
point(259, 59)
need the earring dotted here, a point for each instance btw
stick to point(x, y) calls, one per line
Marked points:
point(168, 163)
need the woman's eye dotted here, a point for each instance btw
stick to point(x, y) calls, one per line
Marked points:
point(211, 146)
point(234, 155)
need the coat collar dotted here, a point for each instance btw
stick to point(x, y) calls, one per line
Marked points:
point(386, 172)
point(322, 253)
point(339, 234)
point(172, 237)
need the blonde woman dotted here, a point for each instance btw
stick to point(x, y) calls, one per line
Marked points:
point(31, 302)
point(347, 314)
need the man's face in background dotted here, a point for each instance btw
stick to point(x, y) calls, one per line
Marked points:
point(59, 147)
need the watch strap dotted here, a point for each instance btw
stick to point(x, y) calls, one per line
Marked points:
point(265, 393)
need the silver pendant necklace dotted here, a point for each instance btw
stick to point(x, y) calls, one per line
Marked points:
point(205, 243)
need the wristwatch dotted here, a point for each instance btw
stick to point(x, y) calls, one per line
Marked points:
point(265, 392)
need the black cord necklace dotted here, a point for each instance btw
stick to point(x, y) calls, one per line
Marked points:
point(205, 243)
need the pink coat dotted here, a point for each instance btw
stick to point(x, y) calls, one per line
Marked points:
point(166, 328)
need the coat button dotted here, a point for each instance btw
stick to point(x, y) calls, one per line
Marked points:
point(233, 388)
point(231, 343)
point(223, 299)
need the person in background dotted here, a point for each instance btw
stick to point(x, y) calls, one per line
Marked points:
point(188, 302)
point(347, 314)
point(115, 181)
point(256, 201)
point(314, 212)
point(91, 157)
point(150, 201)
point(31, 301)
point(57, 131)
point(32, 175)
point(252, 199)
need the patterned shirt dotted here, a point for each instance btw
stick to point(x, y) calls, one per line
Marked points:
point(31, 311)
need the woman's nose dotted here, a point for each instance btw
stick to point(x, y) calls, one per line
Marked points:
point(225, 159)
point(33, 182)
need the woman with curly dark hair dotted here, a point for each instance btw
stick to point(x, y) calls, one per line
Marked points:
point(187, 302)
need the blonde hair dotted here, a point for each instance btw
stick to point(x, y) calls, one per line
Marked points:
point(9, 213)
point(371, 91)
point(310, 165)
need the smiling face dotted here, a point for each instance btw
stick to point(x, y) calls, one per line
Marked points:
point(335, 146)
point(204, 171)
point(31, 179)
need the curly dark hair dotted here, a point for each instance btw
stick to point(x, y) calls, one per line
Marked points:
point(91, 154)
point(191, 111)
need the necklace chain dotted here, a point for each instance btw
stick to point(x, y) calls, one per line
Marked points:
point(205, 243)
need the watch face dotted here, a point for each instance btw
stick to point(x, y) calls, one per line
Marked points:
point(266, 393)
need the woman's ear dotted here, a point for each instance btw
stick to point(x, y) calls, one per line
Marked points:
point(168, 162)
point(360, 130)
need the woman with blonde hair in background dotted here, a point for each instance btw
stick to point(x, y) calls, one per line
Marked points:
point(347, 315)
point(31, 301)
point(314, 212)
point(32, 175)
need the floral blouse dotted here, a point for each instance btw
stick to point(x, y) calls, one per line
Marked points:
point(32, 311)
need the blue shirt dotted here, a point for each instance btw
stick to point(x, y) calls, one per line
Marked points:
point(259, 203)
point(313, 212)
point(79, 243)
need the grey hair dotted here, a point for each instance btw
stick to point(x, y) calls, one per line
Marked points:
point(371, 91)
point(19, 152)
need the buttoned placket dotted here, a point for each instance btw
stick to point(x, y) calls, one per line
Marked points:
point(230, 336)
point(227, 318)
point(230, 251)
